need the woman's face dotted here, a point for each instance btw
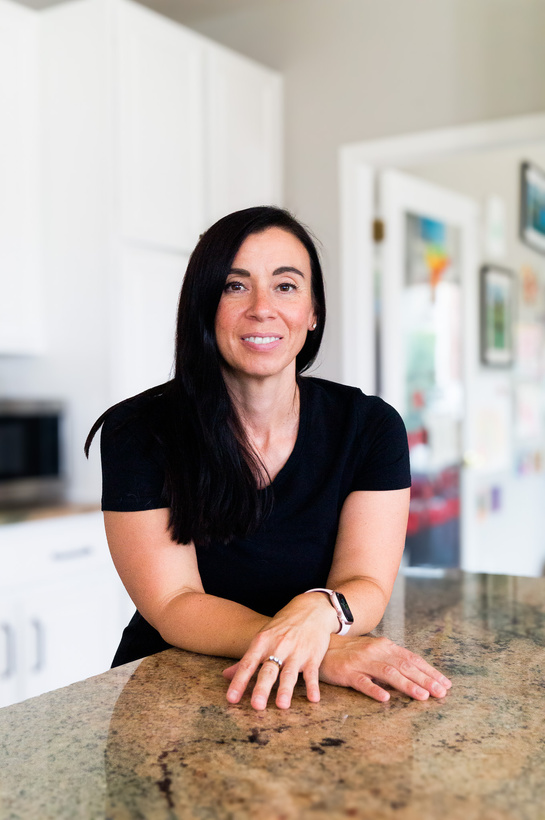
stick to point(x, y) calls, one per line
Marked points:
point(266, 307)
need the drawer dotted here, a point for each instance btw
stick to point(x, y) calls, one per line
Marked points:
point(52, 549)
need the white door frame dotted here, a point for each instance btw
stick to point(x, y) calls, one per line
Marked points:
point(358, 165)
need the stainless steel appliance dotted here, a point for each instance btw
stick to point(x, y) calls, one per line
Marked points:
point(31, 469)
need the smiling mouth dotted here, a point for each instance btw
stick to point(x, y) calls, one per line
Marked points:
point(261, 340)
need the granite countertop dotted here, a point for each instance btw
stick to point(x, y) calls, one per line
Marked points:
point(18, 515)
point(157, 740)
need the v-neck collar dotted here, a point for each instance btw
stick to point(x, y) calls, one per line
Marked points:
point(294, 456)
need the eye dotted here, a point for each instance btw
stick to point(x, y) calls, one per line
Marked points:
point(234, 286)
point(286, 287)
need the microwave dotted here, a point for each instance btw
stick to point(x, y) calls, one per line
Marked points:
point(31, 468)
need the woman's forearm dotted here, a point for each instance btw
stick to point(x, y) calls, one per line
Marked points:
point(367, 602)
point(210, 625)
point(207, 624)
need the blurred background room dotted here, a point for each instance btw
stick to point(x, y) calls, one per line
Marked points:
point(408, 134)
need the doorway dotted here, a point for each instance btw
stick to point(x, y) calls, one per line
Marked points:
point(500, 505)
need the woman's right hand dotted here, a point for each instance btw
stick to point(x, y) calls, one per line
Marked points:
point(358, 662)
point(299, 636)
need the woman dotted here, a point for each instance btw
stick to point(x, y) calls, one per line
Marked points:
point(243, 501)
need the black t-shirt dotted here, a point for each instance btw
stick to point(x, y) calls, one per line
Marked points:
point(346, 441)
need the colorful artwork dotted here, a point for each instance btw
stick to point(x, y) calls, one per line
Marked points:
point(495, 227)
point(530, 351)
point(489, 500)
point(420, 352)
point(432, 326)
point(497, 287)
point(530, 285)
point(431, 252)
point(532, 211)
point(528, 411)
point(529, 462)
point(492, 435)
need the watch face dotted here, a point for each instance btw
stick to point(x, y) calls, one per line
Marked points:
point(345, 608)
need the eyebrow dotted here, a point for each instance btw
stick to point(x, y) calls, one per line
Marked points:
point(277, 272)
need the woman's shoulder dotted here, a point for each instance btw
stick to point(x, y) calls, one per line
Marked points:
point(341, 403)
point(140, 416)
point(342, 394)
point(133, 454)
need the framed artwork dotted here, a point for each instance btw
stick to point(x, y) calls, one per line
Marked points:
point(432, 319)
point(532, 206)
point(497, 302)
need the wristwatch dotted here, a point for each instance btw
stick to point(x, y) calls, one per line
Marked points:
point(340, 605)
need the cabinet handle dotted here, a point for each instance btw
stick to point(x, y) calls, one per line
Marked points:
point(9, 668)
point(70, 555)
point(40, 645)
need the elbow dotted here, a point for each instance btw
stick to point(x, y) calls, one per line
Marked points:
point(170, 616)
point(370, 588)
point(364, 581)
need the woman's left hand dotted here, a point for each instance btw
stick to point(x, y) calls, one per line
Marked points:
point(299, 636)
point(359, 662)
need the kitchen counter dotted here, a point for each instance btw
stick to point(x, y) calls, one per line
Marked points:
point(157, 739)
point(18, 515)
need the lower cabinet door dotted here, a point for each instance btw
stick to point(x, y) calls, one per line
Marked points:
point(69, 631)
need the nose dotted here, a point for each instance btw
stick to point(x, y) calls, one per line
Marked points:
point(261, 305)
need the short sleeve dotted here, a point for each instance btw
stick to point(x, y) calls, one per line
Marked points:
point(133, 472)
point(384, 456)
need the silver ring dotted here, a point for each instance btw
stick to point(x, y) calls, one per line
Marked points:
point(275, 660)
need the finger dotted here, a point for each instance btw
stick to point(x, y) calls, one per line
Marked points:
point(424, 681)
point(400, 652)
point(430, 670)
point(246, 668)
point(265, 681)
point(311, 675)
point(287, 680)
point(370, 688)
point(387, 673)
point(416, 668)
point(229, 673)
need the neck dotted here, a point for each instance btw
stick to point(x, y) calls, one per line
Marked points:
point(265, 405)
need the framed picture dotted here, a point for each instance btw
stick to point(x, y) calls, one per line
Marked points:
point(532, 206)
point(497, 303)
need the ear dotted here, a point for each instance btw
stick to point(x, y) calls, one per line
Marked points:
point(313, 323)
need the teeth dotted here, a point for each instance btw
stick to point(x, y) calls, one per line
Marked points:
point(261, 340)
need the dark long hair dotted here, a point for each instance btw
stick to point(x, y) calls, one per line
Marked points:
point(211, 471)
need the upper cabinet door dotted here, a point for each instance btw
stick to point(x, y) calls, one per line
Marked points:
point(148, 284)
point(21, 300)
point(160, 139)
point(244, 125)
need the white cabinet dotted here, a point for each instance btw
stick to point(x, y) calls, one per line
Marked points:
point(71, 630)
point(199, 131)
point(123, 135)
point(244, 129)
point(198, 135)
point(160, 134)
point(63, 607)
point(9, 660)
point(146, 295)
point(21, 301)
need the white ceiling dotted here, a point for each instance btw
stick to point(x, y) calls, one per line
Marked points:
point(183, 10)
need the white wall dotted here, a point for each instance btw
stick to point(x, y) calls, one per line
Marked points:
point(361, 69)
